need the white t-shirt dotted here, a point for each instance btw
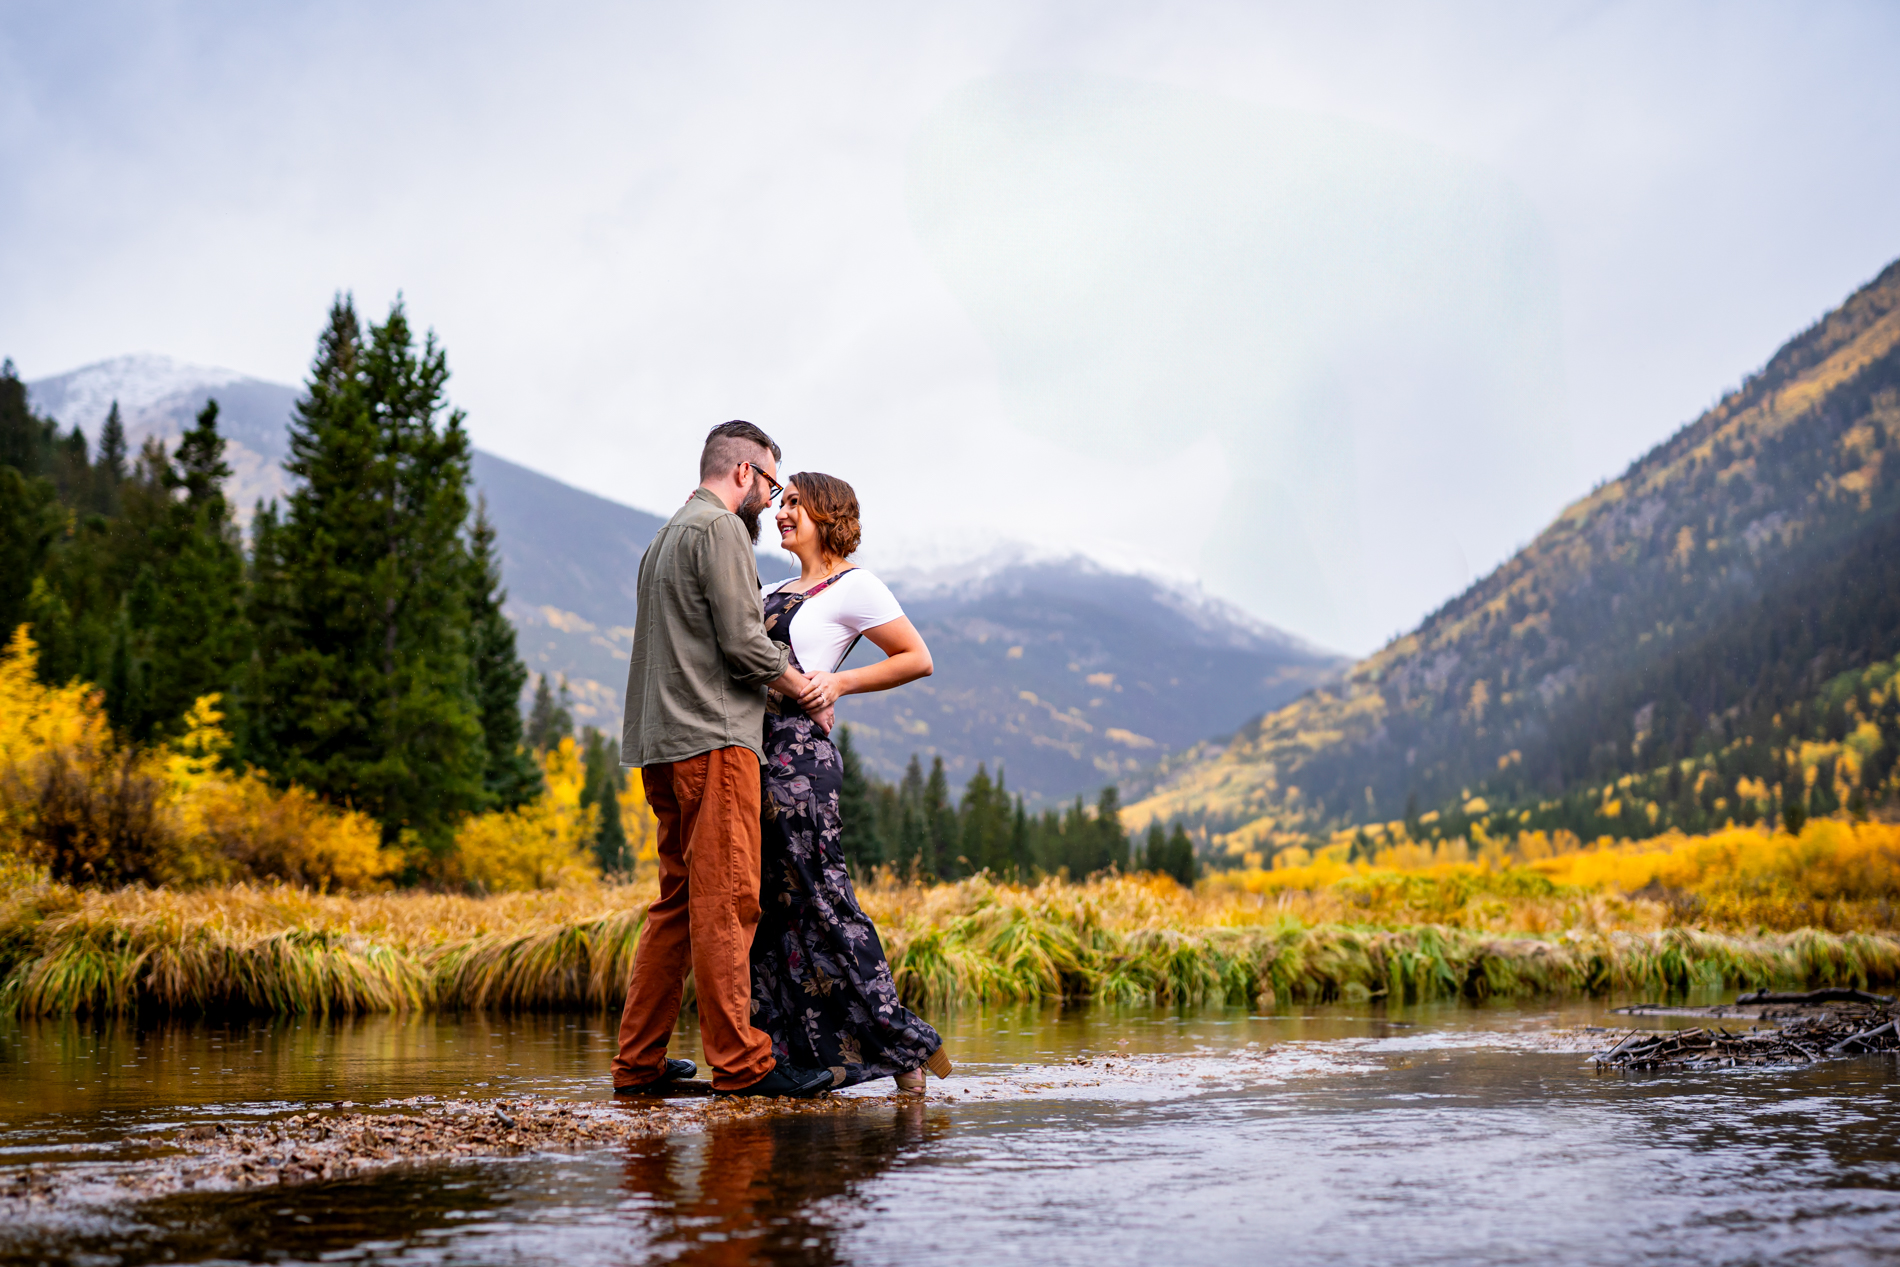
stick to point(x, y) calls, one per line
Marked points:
point(825, 625)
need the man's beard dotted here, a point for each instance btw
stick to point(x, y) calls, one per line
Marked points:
point(749, 513)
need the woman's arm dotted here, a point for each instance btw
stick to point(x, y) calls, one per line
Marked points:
point(906, 659)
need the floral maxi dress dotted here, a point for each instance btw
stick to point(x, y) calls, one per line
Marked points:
point(821, 986)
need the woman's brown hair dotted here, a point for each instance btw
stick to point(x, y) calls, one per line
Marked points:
point(833, 506)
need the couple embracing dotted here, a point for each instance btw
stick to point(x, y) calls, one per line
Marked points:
point(729, 710)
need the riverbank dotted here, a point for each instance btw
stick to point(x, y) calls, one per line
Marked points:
point(341, 1143)
point(282, 950)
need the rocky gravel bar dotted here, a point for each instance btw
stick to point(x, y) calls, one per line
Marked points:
point(339, 1143)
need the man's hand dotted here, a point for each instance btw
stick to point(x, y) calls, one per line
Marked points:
point(822, 691)
point(823, 719)
point(791, 683)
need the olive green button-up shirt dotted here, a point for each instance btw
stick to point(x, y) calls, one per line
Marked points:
point(701, 660)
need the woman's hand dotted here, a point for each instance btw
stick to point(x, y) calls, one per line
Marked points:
point(821, 691)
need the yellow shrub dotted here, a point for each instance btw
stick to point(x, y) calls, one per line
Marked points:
point(72, 798)
point(1829, 861)
point(237, 826)
point(639, 824)
point(542, 845)
point(75, 800)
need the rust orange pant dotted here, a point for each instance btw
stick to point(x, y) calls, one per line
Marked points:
point(708, 811)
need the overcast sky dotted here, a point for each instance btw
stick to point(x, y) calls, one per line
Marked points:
point(1329, 306)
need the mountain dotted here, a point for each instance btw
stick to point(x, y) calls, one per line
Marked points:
point(160, 397)
point(1052, 669)
point(570, 561)
point(1068, 675)
point(1690, 634)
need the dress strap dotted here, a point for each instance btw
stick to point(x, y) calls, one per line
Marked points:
point(827, 582)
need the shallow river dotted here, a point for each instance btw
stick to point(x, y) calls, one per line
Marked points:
point(1335, 1134)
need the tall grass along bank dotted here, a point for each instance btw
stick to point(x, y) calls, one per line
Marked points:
point(1604, 923)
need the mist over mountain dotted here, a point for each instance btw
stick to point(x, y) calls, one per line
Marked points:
point(1064, 673)
point(1679, 648)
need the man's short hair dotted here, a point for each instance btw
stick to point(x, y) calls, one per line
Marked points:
point(731, 443)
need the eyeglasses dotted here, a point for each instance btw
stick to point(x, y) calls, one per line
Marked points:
point(778, 489)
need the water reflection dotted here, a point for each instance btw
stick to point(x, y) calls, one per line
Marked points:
point(774, 1190)
point(1431, 1133)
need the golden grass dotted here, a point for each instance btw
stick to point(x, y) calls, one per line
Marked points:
point(1837, 876)
point(1594, 921)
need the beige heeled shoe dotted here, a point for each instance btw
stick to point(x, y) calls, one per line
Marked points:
point(911, 1081)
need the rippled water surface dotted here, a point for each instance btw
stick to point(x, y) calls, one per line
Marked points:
point(1329, 1135)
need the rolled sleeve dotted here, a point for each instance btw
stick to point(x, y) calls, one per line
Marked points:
point(730, 578)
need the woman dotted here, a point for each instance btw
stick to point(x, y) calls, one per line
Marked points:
point(821, 986)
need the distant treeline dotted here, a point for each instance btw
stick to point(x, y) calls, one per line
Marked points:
point(360, 649)
point(917, 829)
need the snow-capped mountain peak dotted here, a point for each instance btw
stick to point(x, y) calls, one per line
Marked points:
point(81, 397)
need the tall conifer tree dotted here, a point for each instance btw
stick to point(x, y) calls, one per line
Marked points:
point(940, 821)
point(601, 782)
point(1111, 848)
point(183, 631)
point(551, 718)
point(860, 844)
point(110, 471)
point(366, 696)
point(1154, 855)
point(510, 776)
point(26, 442)
point(30, 521)
point(1181, 863)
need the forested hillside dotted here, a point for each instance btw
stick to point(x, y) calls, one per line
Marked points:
point(1696, 641)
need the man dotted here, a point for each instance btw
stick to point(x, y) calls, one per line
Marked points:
point(695, 725)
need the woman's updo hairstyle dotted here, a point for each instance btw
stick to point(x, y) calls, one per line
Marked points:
point(833, 506)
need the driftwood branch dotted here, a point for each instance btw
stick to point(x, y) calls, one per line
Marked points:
point(1853, 1028)
point(1817, 996)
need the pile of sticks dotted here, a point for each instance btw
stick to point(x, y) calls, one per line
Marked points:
point(1851, 1030)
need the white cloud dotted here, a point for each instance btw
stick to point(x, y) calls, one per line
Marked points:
point(628, 222)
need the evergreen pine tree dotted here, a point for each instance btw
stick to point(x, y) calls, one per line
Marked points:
point(26, 442)
point(510, 775)
point(110, 471)
point(366, 696)
point(1022, 853)
point(997, 855)
point(30, 522)
point(940, 821)
point(1181, 863)
point(1794, 805)
point(1111, 849)
point(601, 782)
point(1154, 854)
point(1071, 842)
point(978, 838)
point(189, 600)
point(92, 562)
point(859, 842)
point(1822, 799)
point(551, 719)
point(72, 469)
